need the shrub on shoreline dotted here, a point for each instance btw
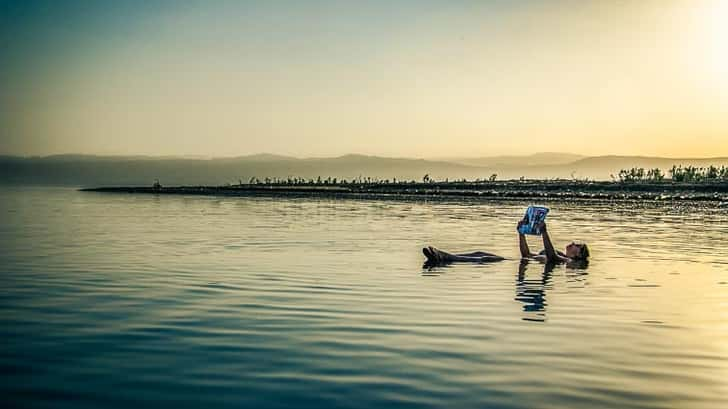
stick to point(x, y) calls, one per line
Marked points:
point(688, 174)
point(678, 174)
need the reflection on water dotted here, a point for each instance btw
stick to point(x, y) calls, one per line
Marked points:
point(146, 301)
point(532, 292)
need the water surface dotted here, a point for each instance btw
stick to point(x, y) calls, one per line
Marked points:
point(150, 301)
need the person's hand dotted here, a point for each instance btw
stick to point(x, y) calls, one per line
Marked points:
point(521, 222)
point(541, 226)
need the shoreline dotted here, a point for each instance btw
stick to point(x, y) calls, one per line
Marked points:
point(506, 190)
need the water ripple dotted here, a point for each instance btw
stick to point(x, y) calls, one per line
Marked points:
point(118, 301)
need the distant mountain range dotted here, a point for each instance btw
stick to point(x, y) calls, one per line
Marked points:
point(88, 170)
point(536, 159)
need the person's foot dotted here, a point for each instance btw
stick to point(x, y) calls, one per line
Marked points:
point(430, 256)
point(427, 254)
point(437, 254)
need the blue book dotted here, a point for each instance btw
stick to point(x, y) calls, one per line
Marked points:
point(534, 216)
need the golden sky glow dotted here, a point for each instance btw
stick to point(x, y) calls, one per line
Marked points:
point(419, 79)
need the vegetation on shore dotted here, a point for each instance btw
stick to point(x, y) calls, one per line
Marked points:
point(688, 174)
point(361, 180)
point(677, 174)
point(689, 183)
point(696, 184)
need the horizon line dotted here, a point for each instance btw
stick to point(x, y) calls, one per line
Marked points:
point(430, 158)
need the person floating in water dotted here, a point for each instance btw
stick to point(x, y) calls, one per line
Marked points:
point(573, 253)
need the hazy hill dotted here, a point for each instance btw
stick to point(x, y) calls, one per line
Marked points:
point(259, 157)
point(78, 170)
point(595, 167)
point(536, 159)
point(85, 170)
point(601, 167)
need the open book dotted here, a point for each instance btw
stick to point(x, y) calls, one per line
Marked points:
point(533, 217)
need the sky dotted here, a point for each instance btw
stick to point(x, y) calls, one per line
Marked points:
point(388, 78)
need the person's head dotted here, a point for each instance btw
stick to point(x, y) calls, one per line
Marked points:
point(577, 251)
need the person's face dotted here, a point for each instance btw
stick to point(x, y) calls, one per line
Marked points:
point(573, 250)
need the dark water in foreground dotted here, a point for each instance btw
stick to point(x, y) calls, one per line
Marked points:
point(144, 301)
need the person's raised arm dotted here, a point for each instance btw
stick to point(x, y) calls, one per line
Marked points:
point(522, 243)
point(551, 254)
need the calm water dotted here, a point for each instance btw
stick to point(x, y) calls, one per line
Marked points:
point(143, 301)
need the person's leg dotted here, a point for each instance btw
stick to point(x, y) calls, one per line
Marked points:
point(477, 257)
point(442, 256)
point(477, 254)
point(469, 259)
point(491, 258)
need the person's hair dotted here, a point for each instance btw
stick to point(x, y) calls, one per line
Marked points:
point(584, 253)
